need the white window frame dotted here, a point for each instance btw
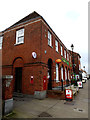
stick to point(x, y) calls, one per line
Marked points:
point(68, 75)
point(65, 74)
point(1, 41)
point(57, 73)
point(65, 53)
point(56, 45)
point(62, 73)
point(61, 50)
point(68, 56)
point(20, 35)
point(49, 39)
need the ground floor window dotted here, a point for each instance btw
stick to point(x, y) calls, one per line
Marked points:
point(57, 73)
point(68, 74)
point(65, 74)
point(62, 73)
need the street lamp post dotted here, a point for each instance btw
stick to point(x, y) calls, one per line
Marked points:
point(84, 68)
point(72, 47)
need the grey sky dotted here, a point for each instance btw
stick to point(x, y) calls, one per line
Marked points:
point(68, 19)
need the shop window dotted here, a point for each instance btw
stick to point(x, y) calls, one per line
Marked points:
point(1, 40)
point(62, 73)
point(68, 75)
point(56, 45)
point(65, 74)
point(49, 39)
point(57, 73)
point(20, 36)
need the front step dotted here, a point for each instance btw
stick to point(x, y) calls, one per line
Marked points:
point(21, 95)
point(56, 94)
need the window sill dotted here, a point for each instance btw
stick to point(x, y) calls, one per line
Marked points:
point(57, 52)
point(18, 44)
point(50, 46)
point(57, 81)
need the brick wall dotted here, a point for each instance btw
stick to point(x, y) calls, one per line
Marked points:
point(35, 39)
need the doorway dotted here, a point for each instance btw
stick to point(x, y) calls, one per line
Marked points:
point(50, 74)
point(18, 80)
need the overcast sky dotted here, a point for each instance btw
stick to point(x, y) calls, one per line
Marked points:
point(67, 18)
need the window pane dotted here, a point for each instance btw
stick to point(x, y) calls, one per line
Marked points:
point(62, 73)
point(65, 74)
point(21, 32)
point(21, 39)
point(61, 51)
point(49, 39)
point(20, 36)
point(1, 40)
point(56, 44)
point(57, 73)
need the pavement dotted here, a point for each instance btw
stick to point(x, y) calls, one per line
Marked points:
point(52, 108)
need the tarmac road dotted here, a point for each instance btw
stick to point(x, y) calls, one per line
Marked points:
point(53, 108)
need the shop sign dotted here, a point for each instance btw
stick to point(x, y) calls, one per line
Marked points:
point(58, 61)
point(77, 77)
point(69, 94)
point(80, 85)
point(64, 60)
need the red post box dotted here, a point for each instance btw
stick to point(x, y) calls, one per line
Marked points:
point(31, 80)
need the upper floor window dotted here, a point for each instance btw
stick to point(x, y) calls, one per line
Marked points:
point(67, 56)
point(56, 45)
point(61, 50)
point(65, 53)
point(1, 40)
point(20, 36)
point(49, 39)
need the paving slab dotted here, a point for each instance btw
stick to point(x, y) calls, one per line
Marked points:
point(55, 108)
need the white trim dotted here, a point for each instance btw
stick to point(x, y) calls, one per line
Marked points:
point(56, 45)
point(49, 38)
point(22, 25)
point(61, 50)
point(1, 41)
point(62, 73)
point(65, 74)
point(57, 73)
point(20, 34)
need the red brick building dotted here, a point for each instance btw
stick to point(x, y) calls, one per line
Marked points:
point(77, 64)
point(30, 52)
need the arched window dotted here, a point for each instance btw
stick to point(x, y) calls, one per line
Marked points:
point(65, 74)
point(62, 72)
point(68, 75)
point(57, 73)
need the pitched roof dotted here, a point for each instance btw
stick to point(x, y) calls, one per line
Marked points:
point(29, 17)
point(75, 53)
